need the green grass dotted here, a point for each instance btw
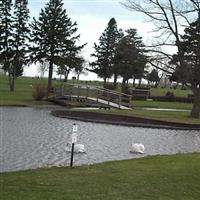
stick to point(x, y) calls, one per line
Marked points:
point(22, 94)
point(159, 104)
point(171, 116)
point(177, 92)
point(157, 177)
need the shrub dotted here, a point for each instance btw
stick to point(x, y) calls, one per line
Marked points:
point(108, 86)
point(39, 92)
point(169, 94)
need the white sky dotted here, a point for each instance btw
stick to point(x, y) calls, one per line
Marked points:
point(92, 17)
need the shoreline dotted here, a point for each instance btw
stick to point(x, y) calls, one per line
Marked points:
point(122, 120)
point(111, 118)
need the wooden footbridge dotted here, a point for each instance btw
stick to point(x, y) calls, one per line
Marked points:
point(91, 96)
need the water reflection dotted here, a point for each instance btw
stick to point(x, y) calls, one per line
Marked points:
point(32, 138)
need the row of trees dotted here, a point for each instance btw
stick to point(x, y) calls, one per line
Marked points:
point(119, 53)
point(51, 38)
point(123, 54)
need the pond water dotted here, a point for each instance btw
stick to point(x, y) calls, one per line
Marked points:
point(32, 138)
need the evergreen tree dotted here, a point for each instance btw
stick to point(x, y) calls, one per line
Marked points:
point(53, 36)
point(190, 69)
point(103, 66)
point(20, 37)
point(153, 77)
point(13, 34)
point(65, 64)
point(1, 27)
point(6, 52)
point(130, 59)
point(79, 66)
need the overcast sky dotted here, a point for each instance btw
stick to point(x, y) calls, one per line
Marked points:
point(92, 17)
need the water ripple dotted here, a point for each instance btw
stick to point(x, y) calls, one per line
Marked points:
point(32, 138)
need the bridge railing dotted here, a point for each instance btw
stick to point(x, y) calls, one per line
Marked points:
point(124, 98)
point(114, 96)
point(84, 91)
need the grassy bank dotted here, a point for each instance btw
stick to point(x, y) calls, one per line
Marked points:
point(171, 116)
point(149, 178)
point(23, 96)
point(160, 104)
point(177, 92)
point(23, 93)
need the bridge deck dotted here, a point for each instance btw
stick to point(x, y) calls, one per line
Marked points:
point(111, 104)
point(100, 96)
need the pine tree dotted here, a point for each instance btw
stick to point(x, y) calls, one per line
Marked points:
point(6, 53)
point(190, 70)
point(65, 64)
point(53, 36)
point(1, 27)
point(103, 66)
point(13, 32)
point(153, 77)
point(20, 37)
point(130, 59)
point(79, 66)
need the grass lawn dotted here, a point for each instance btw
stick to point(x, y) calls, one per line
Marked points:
point(157, 177)
point(177, 92)
point(171, 116)
point(22, 94)
point(160, 104)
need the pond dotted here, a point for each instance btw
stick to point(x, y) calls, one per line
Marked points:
point(32, 138)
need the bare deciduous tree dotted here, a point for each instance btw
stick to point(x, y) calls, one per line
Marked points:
point(170, 18)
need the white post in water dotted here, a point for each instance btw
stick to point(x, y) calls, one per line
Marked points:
point(74, 140)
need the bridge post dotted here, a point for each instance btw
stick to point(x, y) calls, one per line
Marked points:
point(87, 92)
point(119, 98)
point(79, 92)
point(108, 99)
point(97, 95)
point(62, 90)
point(130, 98)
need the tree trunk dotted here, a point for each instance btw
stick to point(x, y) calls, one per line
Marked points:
point(134, 82)
point(115, 81)
point(104, 80)
point(66, 75)
point(9, 79)
point(195, 113)
point(13, 79)
point(78, 75)
point(50, 76)
point(156, 84)
point(12, 72)
point(12, 85)
point(124, 85)
point(140, 82)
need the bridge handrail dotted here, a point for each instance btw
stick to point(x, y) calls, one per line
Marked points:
point(114, 92)
point(61, 90)
point(95, 87)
